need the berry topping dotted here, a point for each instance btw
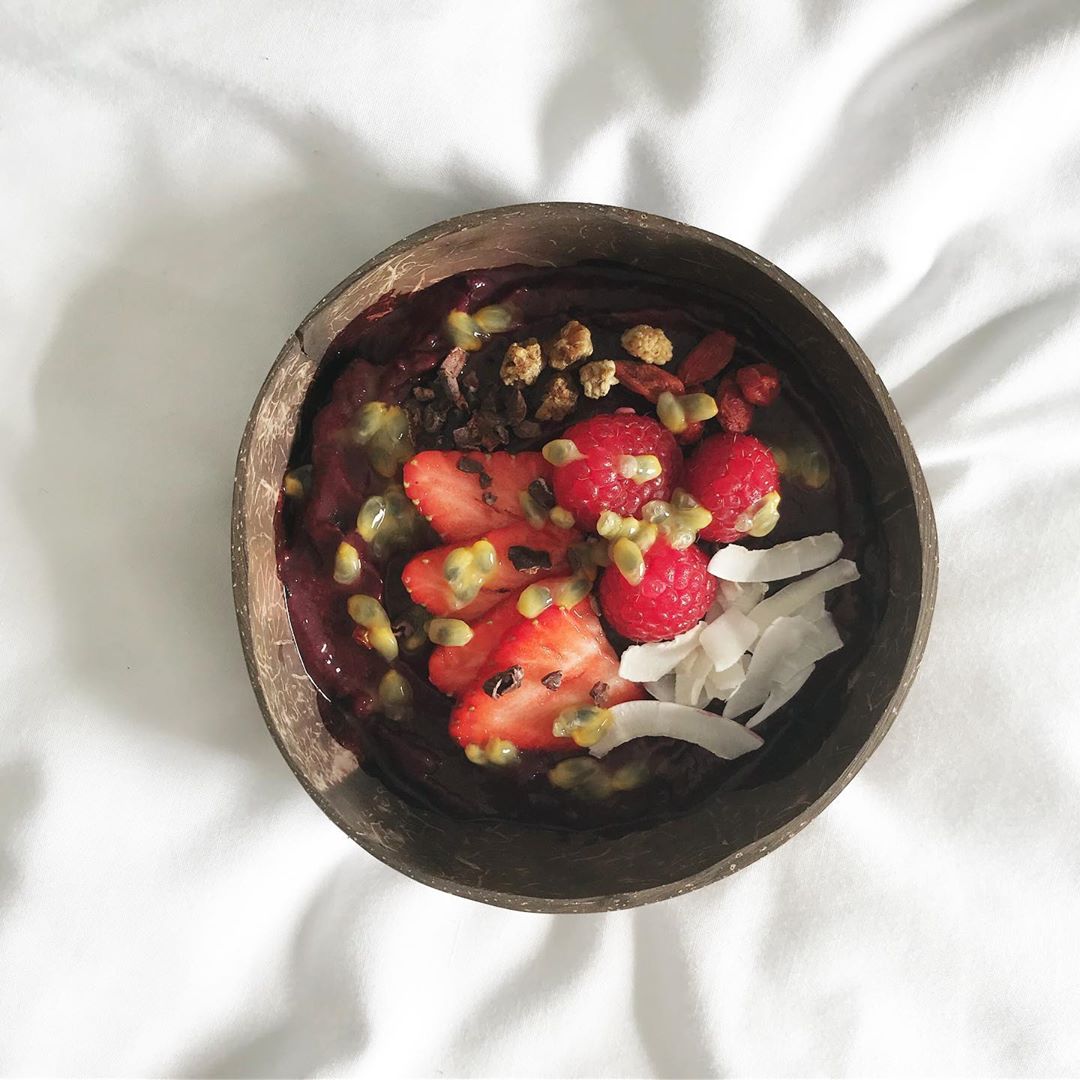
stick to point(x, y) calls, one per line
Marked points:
point(570, 641)
point(759, 383)
point(646, 381)
point(464, 495)
point(463, 581)
point(674, 593)
point(735, 478)
point(707, 358)
point(648, 343)
point(736, 413)
point(620, 461)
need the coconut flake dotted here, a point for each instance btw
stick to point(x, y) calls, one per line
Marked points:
point(813, 609)
point(780, 696)
point(788, 560)
point(663, 689)
point(636, 719)
point(721, 684)
point(647, 663)
point(783, 638)
point(822, 639)
point(690, 678)
point(792, 597)
point(725, 639)
point(735, 594)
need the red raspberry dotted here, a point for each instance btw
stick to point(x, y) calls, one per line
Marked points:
point(593, 484)
point(675, 593)
point(727, 475)
point(735, 413)
point(759, 383)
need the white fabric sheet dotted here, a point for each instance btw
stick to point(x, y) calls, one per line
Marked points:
point(179, 182)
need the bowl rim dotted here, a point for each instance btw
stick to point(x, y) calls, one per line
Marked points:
point(929, 558)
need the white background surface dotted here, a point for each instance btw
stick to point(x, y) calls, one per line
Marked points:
point(179, 182)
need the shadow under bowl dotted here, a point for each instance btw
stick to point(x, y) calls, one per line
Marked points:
point(514, 865)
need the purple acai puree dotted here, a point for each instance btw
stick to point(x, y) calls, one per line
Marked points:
point(396, 347)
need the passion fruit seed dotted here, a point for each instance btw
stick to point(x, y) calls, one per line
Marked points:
point(683, 500)
point(493, 319)
point(371, 516)
point(609, 525)
point(451, 632)
point(383, 430)
point(780, 456)
point(698, 407)
point(573, 591)
point(369, 418)
point(670, 412)
point(612, 527)
point(588, 556)
point(395, 694)
point(677, 412)
point(629, 776)
point(388, 522)
point(463, 331)
point(814, 470)
point(680, 520)
point(561, 517)
point(764, 514)
point(583, 723)
point(296, 482)
point(367, 612)
point(574, 772)
point(466, 569)
point(561, 452)
point(534, 600)
point(640, 468)
point(534, 512)
point(347, 566)
point(627, 557)
point(493, 752)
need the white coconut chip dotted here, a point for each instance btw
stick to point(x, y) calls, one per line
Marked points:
point(690, 678)
point(781, 639)
point(720, 685)
point(789, 560)
point(663, 689)
point(652, 661)
point(780, 696)
point(636, 719)
point(792, 597)
point(725, 639)
point(813, 609)
point(735, 594)
point(822, 639)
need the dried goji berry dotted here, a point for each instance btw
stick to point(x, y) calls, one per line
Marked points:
point(647, 380)
point(735, 412)
point(708, 358)
point(759, 383)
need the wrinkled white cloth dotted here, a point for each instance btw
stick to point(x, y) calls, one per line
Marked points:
point(180, 182)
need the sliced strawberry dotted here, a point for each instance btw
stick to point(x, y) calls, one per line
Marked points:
point(453, 669)
point(570, 642)
point(423, 574)
point(465, 495)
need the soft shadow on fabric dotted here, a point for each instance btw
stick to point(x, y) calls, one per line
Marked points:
point(140, 403)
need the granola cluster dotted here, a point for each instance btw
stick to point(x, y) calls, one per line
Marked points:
point(571, 344)
point(560, 369)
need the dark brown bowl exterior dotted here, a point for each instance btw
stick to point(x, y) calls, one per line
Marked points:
point(512, 865)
